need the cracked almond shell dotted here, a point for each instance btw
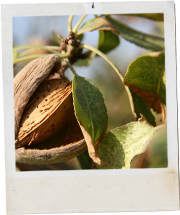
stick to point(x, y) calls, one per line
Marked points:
point(41, 114)
point(46, 112)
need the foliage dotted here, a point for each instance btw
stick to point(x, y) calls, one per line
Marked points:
point(144, 83)
point(121, 144)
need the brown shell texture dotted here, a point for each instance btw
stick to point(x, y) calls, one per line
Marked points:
point(47, 110)
point(65, 144)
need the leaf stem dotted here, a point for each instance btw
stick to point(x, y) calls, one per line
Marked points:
point(106, 58)
point(30, 57)
point(47, 48)
point(70, 66)
point(70, 23)
point(78, 24)
point(28, 51)
point(33, 48)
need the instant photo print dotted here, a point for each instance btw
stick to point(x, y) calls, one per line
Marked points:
point(90, 107)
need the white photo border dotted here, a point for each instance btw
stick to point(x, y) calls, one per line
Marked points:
point(91, 190)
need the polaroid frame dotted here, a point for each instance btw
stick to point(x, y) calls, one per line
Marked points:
point(91, 190)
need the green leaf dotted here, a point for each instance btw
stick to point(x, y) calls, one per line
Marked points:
point(141, 107)
point(99, 23)
point(141, 39)
point(107, 41)
point(30, 57)
point(52, 49)
point(121, 144)
point(27, 52)
point(87, 61)
point(84, 160)
point(155, 155)
point(153, 16)
point(89, 107)
point(145, 78)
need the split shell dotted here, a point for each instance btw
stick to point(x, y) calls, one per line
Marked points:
point(48, 109)
point(64, 145)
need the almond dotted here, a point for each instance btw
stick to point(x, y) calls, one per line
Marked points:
point(46, 128)
point(48, 109)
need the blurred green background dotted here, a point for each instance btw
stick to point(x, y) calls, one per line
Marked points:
point(38, 31)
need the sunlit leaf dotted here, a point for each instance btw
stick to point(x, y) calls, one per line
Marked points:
point(155, 155)
point(121, 144)
point(141, 39)
point(99, 23)
point(145, 78)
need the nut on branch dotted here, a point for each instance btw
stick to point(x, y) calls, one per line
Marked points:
point(48, 109)
point(43, 109)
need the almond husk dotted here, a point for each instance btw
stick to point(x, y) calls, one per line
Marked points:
point(65, 144)
point(46, 128)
